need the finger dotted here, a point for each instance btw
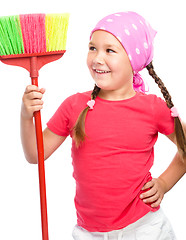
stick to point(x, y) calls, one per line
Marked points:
point(37, 102)
point(34, 95)
point(31, 88)
point(42, 90)
point(36, 108)
point(152, 199)
point(148, 185)
point(149, 193)
point(157, 203)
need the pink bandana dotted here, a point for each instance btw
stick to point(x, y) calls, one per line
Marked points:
point(136, 36)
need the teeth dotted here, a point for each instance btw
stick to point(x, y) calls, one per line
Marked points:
point(101, 71)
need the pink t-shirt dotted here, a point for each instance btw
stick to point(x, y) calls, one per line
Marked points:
point(113, 164)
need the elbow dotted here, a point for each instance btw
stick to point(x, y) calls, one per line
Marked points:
point(31, 159)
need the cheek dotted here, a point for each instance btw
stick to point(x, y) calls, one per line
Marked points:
point(89, 65)
point(124, 67)
point(89, 62)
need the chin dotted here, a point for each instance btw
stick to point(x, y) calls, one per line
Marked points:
point(101, 85)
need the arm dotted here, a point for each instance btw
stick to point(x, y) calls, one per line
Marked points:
point(161, 185)
point(32, 101)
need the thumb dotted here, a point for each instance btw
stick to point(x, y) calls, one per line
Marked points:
point(42, 90)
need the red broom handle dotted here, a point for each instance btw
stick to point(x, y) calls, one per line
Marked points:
point(40, 151)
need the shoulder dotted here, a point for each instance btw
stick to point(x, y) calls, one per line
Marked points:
point(78, 98)
point(152, 99)
point(68, 111)
point(161, 113)
point(155, 105)
point(75, 102)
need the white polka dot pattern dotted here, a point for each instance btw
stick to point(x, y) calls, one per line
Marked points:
point(134, 26)
point(110, 20)
point(137, 51)
point(146, 45)
point(127, 32)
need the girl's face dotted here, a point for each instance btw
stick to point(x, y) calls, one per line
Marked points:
point(108, 62)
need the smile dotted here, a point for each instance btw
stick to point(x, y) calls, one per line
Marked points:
point(100, 71)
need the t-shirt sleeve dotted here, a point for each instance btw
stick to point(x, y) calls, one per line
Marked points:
point(59, 122)
point(162, 116)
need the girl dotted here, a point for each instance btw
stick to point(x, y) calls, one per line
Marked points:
point(114, 129)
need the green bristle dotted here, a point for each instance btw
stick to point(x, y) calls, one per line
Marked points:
point(18, 39)
point(4, 39)
point(10, 36)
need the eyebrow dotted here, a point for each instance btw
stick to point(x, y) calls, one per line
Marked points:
point(91, 43)
point(106, 45)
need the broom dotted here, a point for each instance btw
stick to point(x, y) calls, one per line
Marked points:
point(31, 41)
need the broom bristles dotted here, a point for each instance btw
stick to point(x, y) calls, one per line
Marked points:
point(16, 29)
point(10, 36)
point(56, 26)
point(33, 33)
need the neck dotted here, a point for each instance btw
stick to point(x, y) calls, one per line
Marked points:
point(114, 95)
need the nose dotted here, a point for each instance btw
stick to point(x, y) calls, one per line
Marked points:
point(99, 58)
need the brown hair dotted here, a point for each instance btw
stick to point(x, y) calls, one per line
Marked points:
point(79, 128)
point(180, 135)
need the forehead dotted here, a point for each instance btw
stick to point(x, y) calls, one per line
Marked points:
point(104, 37)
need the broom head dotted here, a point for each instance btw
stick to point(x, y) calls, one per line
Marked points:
point(42, 36)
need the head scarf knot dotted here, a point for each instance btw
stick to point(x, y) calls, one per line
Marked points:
point(136, 36)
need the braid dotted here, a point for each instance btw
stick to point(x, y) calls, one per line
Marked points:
point(95, 92)
point(161, 85)
point(180, 135)
point(79, 128)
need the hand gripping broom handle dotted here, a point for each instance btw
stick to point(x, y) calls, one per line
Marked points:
point(40, 151)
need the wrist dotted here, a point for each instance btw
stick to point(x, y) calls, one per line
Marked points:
point(25, 118)
point(26, 121)
point(163, 184)
point(25, 115)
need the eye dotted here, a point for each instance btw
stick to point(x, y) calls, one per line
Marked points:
point(91, 48)
point(110, 50)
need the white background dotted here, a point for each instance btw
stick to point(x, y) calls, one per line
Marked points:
point(19, 192)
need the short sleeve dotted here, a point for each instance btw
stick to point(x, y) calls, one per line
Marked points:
point(59, 122)
point(162, 116)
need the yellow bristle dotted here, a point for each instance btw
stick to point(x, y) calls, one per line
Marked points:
point(56, 31)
